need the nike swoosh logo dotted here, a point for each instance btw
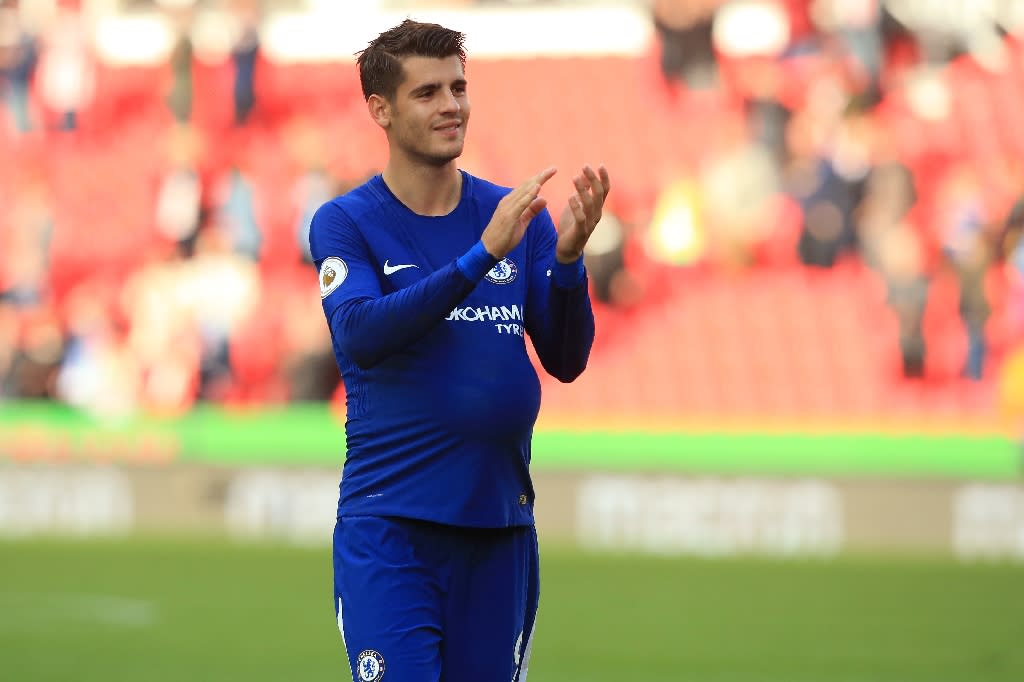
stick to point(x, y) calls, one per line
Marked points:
point(392, 269)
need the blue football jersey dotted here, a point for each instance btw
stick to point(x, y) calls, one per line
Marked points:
point(429, 332)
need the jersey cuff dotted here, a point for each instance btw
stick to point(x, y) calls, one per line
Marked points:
point(568, 275)
point(476, 262)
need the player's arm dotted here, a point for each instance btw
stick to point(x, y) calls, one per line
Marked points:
point(370, 326)
point(559, 317)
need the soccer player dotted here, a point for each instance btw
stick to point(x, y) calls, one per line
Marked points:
point(431, 278)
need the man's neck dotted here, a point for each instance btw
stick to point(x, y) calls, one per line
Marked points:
point(426, 190)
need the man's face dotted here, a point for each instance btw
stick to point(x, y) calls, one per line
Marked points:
point(430, 110)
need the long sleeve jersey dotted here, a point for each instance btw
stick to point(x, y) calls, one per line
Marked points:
point(429, 334)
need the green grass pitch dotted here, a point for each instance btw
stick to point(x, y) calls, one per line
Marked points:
point(156, 610)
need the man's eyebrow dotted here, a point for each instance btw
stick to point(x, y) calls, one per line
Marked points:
point(427, 87)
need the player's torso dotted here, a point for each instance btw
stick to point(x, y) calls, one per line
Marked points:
point(443, 427)
point(471, 372)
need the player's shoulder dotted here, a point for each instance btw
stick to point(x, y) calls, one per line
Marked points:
point(343, 219)
point(483, 190)
point(488, 194)
point(350, 207)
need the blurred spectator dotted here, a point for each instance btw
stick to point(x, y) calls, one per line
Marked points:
point(18, 56)
point(944, 31)
point(309, 366)
point(753, 39)
point(893, 245)
point(827, 164)
point(857, 24)
point(966, 238)
point(217, 289)
point(235, 214)
point(25, 245)
point(37, 356)
point(98, 374)
point(684, 35)
point(179, 195)
point(759, 82)
point(244, 56)
point(314, 186)
point(67, 74)
point(182, 315)
point(311, 190)
point(739, 186)
point(162, 341)
point(179, 99)
point(605, 259)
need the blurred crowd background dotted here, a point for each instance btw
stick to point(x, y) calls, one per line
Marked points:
point(817, 209)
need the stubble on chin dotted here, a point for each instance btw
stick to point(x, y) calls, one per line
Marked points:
point(439, 160)
point(422, 151)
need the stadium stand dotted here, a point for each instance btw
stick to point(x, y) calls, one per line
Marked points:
point(768, 337)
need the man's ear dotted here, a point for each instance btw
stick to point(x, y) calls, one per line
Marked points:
point(380, 110)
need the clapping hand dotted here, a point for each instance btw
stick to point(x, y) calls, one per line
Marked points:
point(582, 213)
point(513, 214)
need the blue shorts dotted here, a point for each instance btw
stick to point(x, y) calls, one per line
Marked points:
point(423, 602)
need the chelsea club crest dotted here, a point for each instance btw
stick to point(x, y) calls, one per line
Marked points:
point(502, 273)
point(370, 666)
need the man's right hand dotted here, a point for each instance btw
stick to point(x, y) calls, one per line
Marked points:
point(514, 213)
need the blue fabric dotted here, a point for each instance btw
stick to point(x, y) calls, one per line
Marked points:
point(476, 262)
point(568, 275)
point(441, 394)
point(420, 601)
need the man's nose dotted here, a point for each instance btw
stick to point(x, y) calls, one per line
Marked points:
point(451, 103)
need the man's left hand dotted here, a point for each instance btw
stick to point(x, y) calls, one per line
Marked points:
point(582, 213)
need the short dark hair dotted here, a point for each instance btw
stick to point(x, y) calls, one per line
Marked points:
point(380, 63)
